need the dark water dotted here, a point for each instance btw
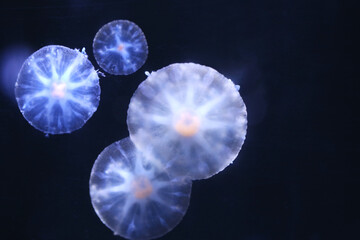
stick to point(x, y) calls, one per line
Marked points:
point(297, 174)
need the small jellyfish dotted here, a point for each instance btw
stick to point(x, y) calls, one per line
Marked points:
point(189, 116)
point(132, 196)
point(120, 47)
point(57, 89)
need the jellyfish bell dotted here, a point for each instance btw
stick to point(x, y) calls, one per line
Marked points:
point(120, 47)
point(132, 196)
point(57, 89)
point(190, 117)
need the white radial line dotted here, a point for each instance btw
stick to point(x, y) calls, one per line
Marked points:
point(157, 185)
point(39, 74)
point(125, 156)
point(209, 124)
point(42, 93)
point(89, 77)
point(156, 198)
point(170, 160)
point(39, 114)
point(203, 143)
point(155, 118)
point(135, 35)
point(104, 49)
point(138, 168)
point(53, 64)
point(75, 63)
point(159, 104)
point(173, 191)
point(206, 148)
point(129, 201)
point(173, 104)
point(83, 107)
point(166, 204)
point(26, 103)
point(84, 104)
point(211, 104)
point(186, 147)
point(190, 93)
point(100, 41)
point(48, 107)
point(208, 78)
point(124, 52)
point(74, 86)
point(117, 39)
point(113, 169)
point(68, 113)
point(29, 107)
point(43, 79)
point(104, 192)
point(86, 80)
point(122, 173)
point(61, 103)
point(116, 30)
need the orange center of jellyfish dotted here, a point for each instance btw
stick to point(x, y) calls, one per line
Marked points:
point(58, 90)
point(187, 125)
point(142, 187)
point(120, 47)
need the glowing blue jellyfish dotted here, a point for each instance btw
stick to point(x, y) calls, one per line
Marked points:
point(133, 197)
point(120, 47)
point(189, 117)
point(57, 89)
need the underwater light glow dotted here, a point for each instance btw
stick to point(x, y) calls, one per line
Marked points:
point(11, 60)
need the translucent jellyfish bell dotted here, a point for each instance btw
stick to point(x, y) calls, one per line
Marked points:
point(120, 47)
point(57, 89)
point(191, 117)
point(133, 197)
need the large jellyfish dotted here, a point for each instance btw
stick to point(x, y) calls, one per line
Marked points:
point(189, 117)
point(57, 89)
point(120, 47)
point(133, 197)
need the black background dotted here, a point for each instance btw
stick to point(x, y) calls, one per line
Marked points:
point(297, 174)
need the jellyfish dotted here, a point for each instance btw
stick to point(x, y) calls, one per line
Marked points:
point(190, 117)
point(120, 47)
point(133, 197)
point(57, 89)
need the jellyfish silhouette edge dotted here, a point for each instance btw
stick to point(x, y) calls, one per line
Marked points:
point(132, 197)
point(57, 89)
point(189, 116)
point(120, 47)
